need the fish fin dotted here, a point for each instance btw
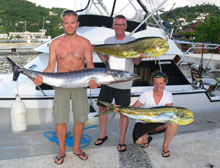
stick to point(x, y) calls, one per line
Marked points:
point(111, 107)
point(15, 68)
point(105, 103)
point(107, 66)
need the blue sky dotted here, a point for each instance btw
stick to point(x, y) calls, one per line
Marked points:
point(75, 4)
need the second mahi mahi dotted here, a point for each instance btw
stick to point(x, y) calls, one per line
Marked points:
point(150, 46)
point(162, 114)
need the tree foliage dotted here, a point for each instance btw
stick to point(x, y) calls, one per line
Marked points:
point(14, 14)
point(209, 30)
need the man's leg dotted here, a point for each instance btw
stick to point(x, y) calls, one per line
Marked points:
point(170, 131)
point(61, 134)
point(103, 119)
point(106, 95)
point(78, 131)
point(122, 98)
point(123, 128)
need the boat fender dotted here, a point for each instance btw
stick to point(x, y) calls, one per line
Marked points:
point(18, 115)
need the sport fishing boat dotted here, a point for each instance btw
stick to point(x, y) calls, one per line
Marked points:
point(38, 101)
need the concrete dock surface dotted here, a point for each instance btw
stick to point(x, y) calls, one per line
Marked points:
point(194, 146)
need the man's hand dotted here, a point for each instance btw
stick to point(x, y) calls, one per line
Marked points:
point(38, 80)
point(93, 84)
point(138, 60)
point(116, 109)
point(142, 55)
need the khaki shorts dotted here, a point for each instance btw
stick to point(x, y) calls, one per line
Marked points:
point(80, 105)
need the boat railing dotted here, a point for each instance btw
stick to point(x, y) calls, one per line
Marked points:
point(194, 45)
point(151, 15)
point(103, 10)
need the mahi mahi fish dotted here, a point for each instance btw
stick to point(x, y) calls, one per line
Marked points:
point(160, 114)
point(150, 46)
point(76, 79)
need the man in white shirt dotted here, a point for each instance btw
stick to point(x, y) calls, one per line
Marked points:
point(119, 91)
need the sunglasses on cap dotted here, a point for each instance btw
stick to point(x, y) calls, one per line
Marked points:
point(69, 12)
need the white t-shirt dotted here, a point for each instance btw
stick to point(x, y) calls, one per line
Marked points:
point(147, 99)
point(121, 63)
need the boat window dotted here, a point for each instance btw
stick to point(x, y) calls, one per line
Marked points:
point(105, 21)
point(146, 68)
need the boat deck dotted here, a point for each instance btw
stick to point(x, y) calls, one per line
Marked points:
point(195, 145)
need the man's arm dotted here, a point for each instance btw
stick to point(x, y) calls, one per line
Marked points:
point(50, 67)
point(138, 60)
point(137, 104)
point(88, 55)
point(169, 104)
point(89, 64)
point(104, 58)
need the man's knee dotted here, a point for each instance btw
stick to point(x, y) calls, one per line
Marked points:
point(102, 109)
point(171, 126)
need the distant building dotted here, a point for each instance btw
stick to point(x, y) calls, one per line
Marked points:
point(28, 36)
point(4, 36)
point(51, 13)
point(190, 30)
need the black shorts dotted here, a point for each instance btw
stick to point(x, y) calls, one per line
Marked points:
point(122, 96)
point(142, 128)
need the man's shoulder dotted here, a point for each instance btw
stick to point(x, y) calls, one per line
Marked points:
point(130, 38)
point(110, 39)
point(83, 39)
point(168, 93)
point(147, 92)
point(60, 38)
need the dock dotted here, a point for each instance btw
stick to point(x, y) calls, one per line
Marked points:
point(195, 145)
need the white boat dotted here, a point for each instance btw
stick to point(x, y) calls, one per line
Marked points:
point(39, 105)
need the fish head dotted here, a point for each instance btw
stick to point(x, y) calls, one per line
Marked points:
point(185, 116)
point(158, 47)
point(121, 76)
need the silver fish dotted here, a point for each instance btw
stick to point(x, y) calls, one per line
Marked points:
point(76, 79)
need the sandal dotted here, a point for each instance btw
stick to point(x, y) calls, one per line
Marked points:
point(59, 159)
point(166, 154)
point(85, 157)
point(121, 146)
point(144, 145)
point(102, 141)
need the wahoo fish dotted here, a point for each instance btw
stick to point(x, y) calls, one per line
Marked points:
point(162, 114)
point(150, 46)
point(76, 79)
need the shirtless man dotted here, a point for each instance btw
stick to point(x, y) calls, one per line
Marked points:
point(69, 52)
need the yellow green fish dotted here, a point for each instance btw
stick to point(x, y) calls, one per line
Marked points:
point(150, 46)
point(162, 114)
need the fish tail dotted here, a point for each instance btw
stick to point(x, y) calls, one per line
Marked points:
point(15, 68)
point(110, 107)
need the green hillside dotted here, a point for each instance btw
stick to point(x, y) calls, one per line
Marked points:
point(190, 13)
point(13, 14)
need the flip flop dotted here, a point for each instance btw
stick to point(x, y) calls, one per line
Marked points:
point(120, 146)
point(102, 141)
point(80, 155)
point(166, 154)
point(144, 145)
point(58, 158)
